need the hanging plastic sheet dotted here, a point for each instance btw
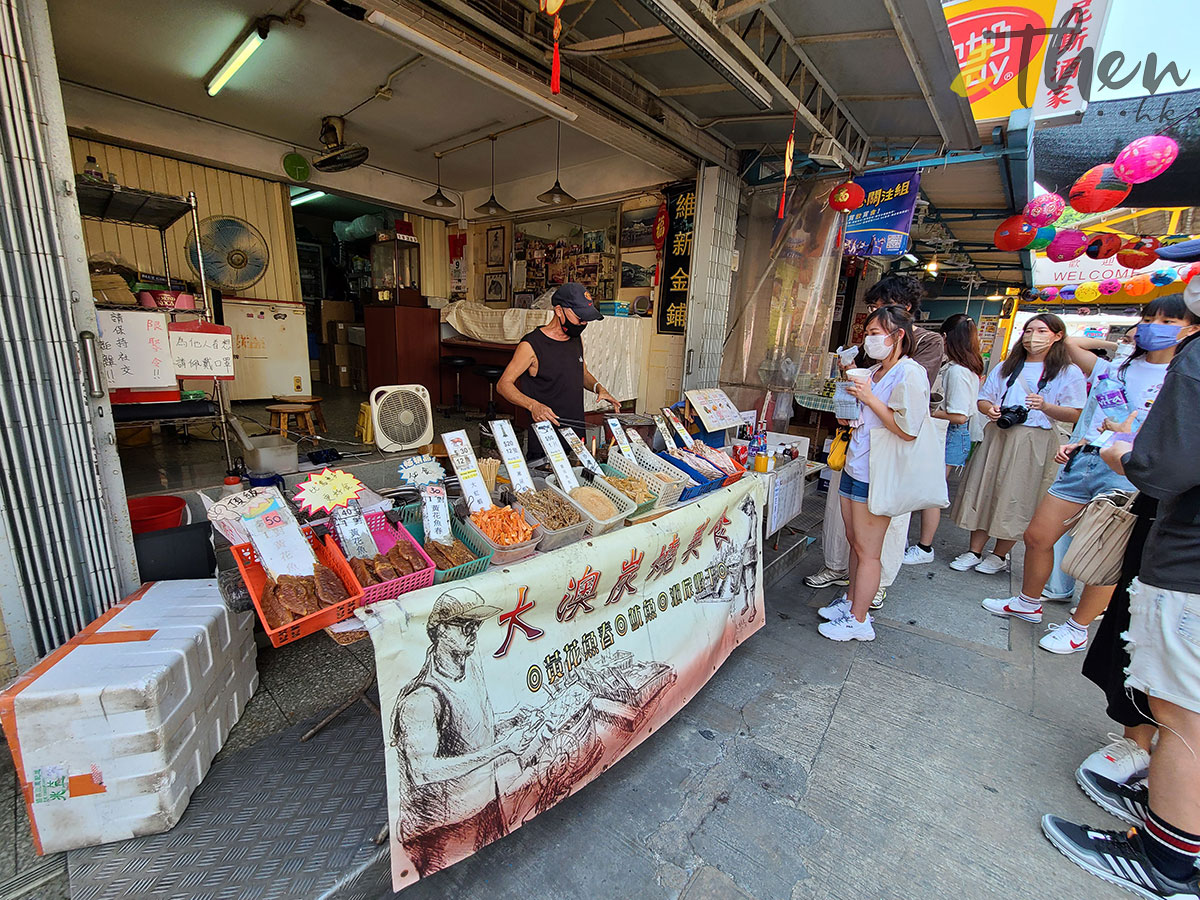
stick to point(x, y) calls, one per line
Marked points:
point(779, 320)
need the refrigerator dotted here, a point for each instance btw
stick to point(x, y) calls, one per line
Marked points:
point(270, 348)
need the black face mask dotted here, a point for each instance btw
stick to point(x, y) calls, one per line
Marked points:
point(573, 330)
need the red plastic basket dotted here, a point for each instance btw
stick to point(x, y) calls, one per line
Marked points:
point(386, 535)
point(739, 471)
point(328, 555)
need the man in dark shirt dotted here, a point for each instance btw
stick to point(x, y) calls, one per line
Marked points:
point(1158, 857)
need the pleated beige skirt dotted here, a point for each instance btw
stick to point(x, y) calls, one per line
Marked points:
point(1005, 480)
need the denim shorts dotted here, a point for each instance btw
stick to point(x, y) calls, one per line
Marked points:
point(1164, 644)
point(1088, 478)
point(852, 488)
point(958, 444)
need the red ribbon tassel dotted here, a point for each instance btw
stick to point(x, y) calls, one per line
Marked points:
point(782, 202)
point(556, 66)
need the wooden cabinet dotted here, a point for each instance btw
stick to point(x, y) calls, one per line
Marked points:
point(403, 347)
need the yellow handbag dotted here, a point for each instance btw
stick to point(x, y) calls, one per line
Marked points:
point(837, 450)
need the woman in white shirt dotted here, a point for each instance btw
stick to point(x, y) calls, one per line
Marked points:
point(1036, 386)
point(894, 396)
point(959, 380)
point(1121, 395)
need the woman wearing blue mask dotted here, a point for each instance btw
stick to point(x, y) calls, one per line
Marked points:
point(1122, 392)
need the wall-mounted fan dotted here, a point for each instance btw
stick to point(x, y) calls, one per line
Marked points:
point(235, 253)
point(338, 156)
point(401, 416)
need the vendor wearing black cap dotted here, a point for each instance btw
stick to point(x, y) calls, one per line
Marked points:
point(547, 374)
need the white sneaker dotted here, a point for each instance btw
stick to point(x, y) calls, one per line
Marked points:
point(1121, 761)
point(992, 564)
point(877, 600)
point(915, 556)
point(1064, 639)
point(825, 577)
point(848, 628)
point(835, 610)
point(965, 561)
point(1014, 607)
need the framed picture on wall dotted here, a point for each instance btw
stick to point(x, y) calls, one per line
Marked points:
point(495, 286)
point(495, 246)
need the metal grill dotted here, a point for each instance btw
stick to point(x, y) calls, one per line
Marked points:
point(56, 561)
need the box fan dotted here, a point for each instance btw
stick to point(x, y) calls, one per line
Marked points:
point(401, 416)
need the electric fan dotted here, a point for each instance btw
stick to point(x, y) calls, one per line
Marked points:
point(402, 417)
point(234, 251)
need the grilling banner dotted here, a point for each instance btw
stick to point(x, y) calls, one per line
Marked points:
point(504, 693)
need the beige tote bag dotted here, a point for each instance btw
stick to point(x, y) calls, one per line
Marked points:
point(1099, 537)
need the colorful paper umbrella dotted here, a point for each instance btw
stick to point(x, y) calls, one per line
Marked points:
point(1044, 209)
point(1138, 252)
point(1103, 246)
point(847, 197)
point(1146, 158)
point(1049, 293)
point(1044, 236)
point(1163, 277)
point(1110, 286)
point(1067, 294)
point(1067, 245)
point(1014, 233)
point(1098, 189)
point(1087, 292)
point(1138, 286)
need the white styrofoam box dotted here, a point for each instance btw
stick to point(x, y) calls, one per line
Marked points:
point(112, 732)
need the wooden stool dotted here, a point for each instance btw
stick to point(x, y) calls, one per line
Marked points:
point(314, 402)
point(364, 431)
point(283, 413)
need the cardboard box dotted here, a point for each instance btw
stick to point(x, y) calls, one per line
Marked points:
point(314, 369)
point(335, 311)
point(339, 376)
point(358, 357)
point(112, 289)
point(338, 332)
point(335, 354)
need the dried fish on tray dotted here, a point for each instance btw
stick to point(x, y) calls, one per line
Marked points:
point(549, 508)
point(635, 489)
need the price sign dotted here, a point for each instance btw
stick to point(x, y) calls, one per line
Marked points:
point(558, 459)
point(635, 438)
point(714, 408)
point(435, 514)
point(226, 514)
point(353, 533)
point(421, 470)
point(619, 436)
point(510, 452)
point(581, 452)
point(661, 424)
point(277, 538)
point(328, 490)
point(687, 439)
point(462, 458)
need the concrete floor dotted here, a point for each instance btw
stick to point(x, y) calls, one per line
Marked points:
point(913, 767)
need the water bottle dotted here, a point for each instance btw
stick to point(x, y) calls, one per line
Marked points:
point(1109, 395)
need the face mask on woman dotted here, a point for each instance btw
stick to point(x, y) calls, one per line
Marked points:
point(877, 346)
point(1036, 341)
point(1156, 335)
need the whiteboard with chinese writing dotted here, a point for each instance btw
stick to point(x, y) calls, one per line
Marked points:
point(134, 349)
point(201, 350)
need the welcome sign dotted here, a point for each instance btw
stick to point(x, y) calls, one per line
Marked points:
point(505, 693)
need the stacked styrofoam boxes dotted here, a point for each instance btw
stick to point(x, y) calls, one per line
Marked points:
point(112, 732)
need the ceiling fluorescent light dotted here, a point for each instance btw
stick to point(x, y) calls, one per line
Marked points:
point(688, 30)
point(304, 198)
point(252, 41)
point(478, 71)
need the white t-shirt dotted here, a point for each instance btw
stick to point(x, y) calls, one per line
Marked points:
point(960, 389)
point(1068, 388)
point(1141, 382)
point(904, 389)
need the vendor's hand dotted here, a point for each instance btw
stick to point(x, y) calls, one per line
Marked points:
point(605, 397)
point(1065, 451)
point(994, 413)
point(542, 413)
point(1035, 401)
point(1114, 453)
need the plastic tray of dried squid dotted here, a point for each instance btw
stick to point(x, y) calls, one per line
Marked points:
point(328, 555)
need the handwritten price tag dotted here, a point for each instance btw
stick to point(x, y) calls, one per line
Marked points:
point(554, 452)
point(661, 424)
point(581, 452)
point(635, 437)
point(462, 458)
point(354, 534)
point(687, 439)
point(618, 434)
point(328, 490)
point(510, 452)
point(421, 470)
point(277, 538)
point(435, 514)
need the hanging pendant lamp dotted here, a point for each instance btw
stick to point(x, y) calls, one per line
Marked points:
point(556, 195)
point(492, 207)
point(438, 199)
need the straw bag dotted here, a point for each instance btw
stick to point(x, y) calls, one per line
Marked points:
point(836, 459)
point(1099, 537)
point(908, 475)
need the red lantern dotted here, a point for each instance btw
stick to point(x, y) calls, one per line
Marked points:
point(847, 197)
point(1138, 253)
point(1097, 190)
point(1067, 245)
point(1103, 246)
point(1015, 233)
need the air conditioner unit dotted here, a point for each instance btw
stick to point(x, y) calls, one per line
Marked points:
point(825, 152)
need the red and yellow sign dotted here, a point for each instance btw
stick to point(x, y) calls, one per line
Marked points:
point(328, 490)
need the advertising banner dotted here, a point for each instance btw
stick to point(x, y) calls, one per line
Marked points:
point(880, 226)
point(677, 259)
point(505, 693)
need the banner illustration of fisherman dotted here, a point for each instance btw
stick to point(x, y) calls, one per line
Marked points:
point(505, 693)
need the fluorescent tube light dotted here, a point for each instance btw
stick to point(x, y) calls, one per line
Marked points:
point(251, 42)
point(304, 198)
point(479, 72)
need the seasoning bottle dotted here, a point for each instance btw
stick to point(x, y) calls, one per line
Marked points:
point(91, 170)
point(232, 485)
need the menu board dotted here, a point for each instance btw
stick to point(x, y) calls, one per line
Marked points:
point(581, 452)
point(462, 458)
point(201, 350)
point(714, 409)
point(134, 351)
point(510, 452)
point(554, 452)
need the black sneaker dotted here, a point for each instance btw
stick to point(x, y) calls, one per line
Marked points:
point(1127, 802)
point(1118, 858)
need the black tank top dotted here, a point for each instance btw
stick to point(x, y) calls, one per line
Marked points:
point(559, 379)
